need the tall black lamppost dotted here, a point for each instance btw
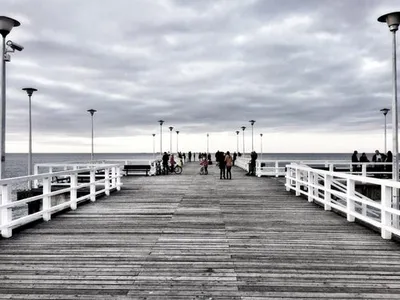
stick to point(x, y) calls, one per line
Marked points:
point(393, 21)
point(237, 141)
point(30, 91)
point(6, 25)
point(92, 111)
point(252, 143)
point(385, 111)
point(170, 139)
point(261, 135)
point(154, 145)
point(177, 144)
point(208, 143)
point(243, 128)
point(161, 123)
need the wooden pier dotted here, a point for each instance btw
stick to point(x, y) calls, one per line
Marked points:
point(198, 237)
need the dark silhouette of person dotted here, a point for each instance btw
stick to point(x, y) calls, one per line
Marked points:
point(253, 159)
point(209, 159)
point(165, 159)
point(389, 167)
point(354, 162)
point(221, 162)
point(234, 158)
point(190, 155)
point(378, 158)
point(364, 158)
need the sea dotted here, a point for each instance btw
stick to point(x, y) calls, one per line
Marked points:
point(16, 164)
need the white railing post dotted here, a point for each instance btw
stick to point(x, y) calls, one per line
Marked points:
point(74, 192)
point(310, 186)
point(46, 199)
point(288, 180)
point(298, 175)
point(327, 194)
point(6, 213)
point(35, 171)
point(113, 178)
point(316, 186)
point(364, 170)
point(92, 185)
point(350, 202)
point(331, 167)
point(119, 178)
point(107, 181)
point(276, 169)
point(386, 219)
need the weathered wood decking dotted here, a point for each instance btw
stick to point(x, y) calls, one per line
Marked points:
point(198, 237)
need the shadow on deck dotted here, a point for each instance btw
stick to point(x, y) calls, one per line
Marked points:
point(198, 237)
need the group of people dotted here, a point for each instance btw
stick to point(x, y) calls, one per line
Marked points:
point(225, 163)
point(168, 161)
point(376, 158)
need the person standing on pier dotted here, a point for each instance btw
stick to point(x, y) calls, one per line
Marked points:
point(252, 170)
point(221, 161)
point(234, 158)
point(172, 162)
point(354, 161)
point(228, 163)
point(165, 163)
point(190, 155)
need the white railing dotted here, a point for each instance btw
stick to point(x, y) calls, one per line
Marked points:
point(337, 190)
point(107, 177)
point(243, 163)
point(52, 167)
point(278, 167)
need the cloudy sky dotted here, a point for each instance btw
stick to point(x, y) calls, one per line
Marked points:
point(312, 73)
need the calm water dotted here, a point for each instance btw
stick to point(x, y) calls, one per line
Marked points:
point(17, 164)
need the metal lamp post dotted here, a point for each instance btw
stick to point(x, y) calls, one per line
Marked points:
point(177, 144)
point(154, 145)
point(6, 25)
point(393, 21)
point(208, 143)
point(237, 141)
point(252, 143)
point(261, 135)
point(243, 128)
point(30, 91)
point(161, 123)
point(170, 138)
point(92, 111)
point(385, 111)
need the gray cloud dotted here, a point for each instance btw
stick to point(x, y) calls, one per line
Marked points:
point(206, 66)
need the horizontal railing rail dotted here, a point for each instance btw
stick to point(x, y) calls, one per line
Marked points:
point(337, 190)
point(107, 177)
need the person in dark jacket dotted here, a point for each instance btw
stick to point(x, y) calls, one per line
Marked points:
point(389, 167)
point(165, 159)
point(221, 162)
point(253, 157)
point(354, 161)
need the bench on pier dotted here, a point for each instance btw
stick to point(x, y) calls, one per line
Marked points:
point(136, 168)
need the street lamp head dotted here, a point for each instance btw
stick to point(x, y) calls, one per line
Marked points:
point(92, 111)
point(237, 131)
point(385, 111)
point(14, 46)
point(6, 24)
point(261, 134)
point(252, 122)
point(29, 91)
point(170, 128)
point(243, 127)
point(392, 19)
point(154, 134)
point(177, 132)
point(161, 122)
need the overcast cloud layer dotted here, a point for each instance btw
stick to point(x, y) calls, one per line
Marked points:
point(313, 73)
